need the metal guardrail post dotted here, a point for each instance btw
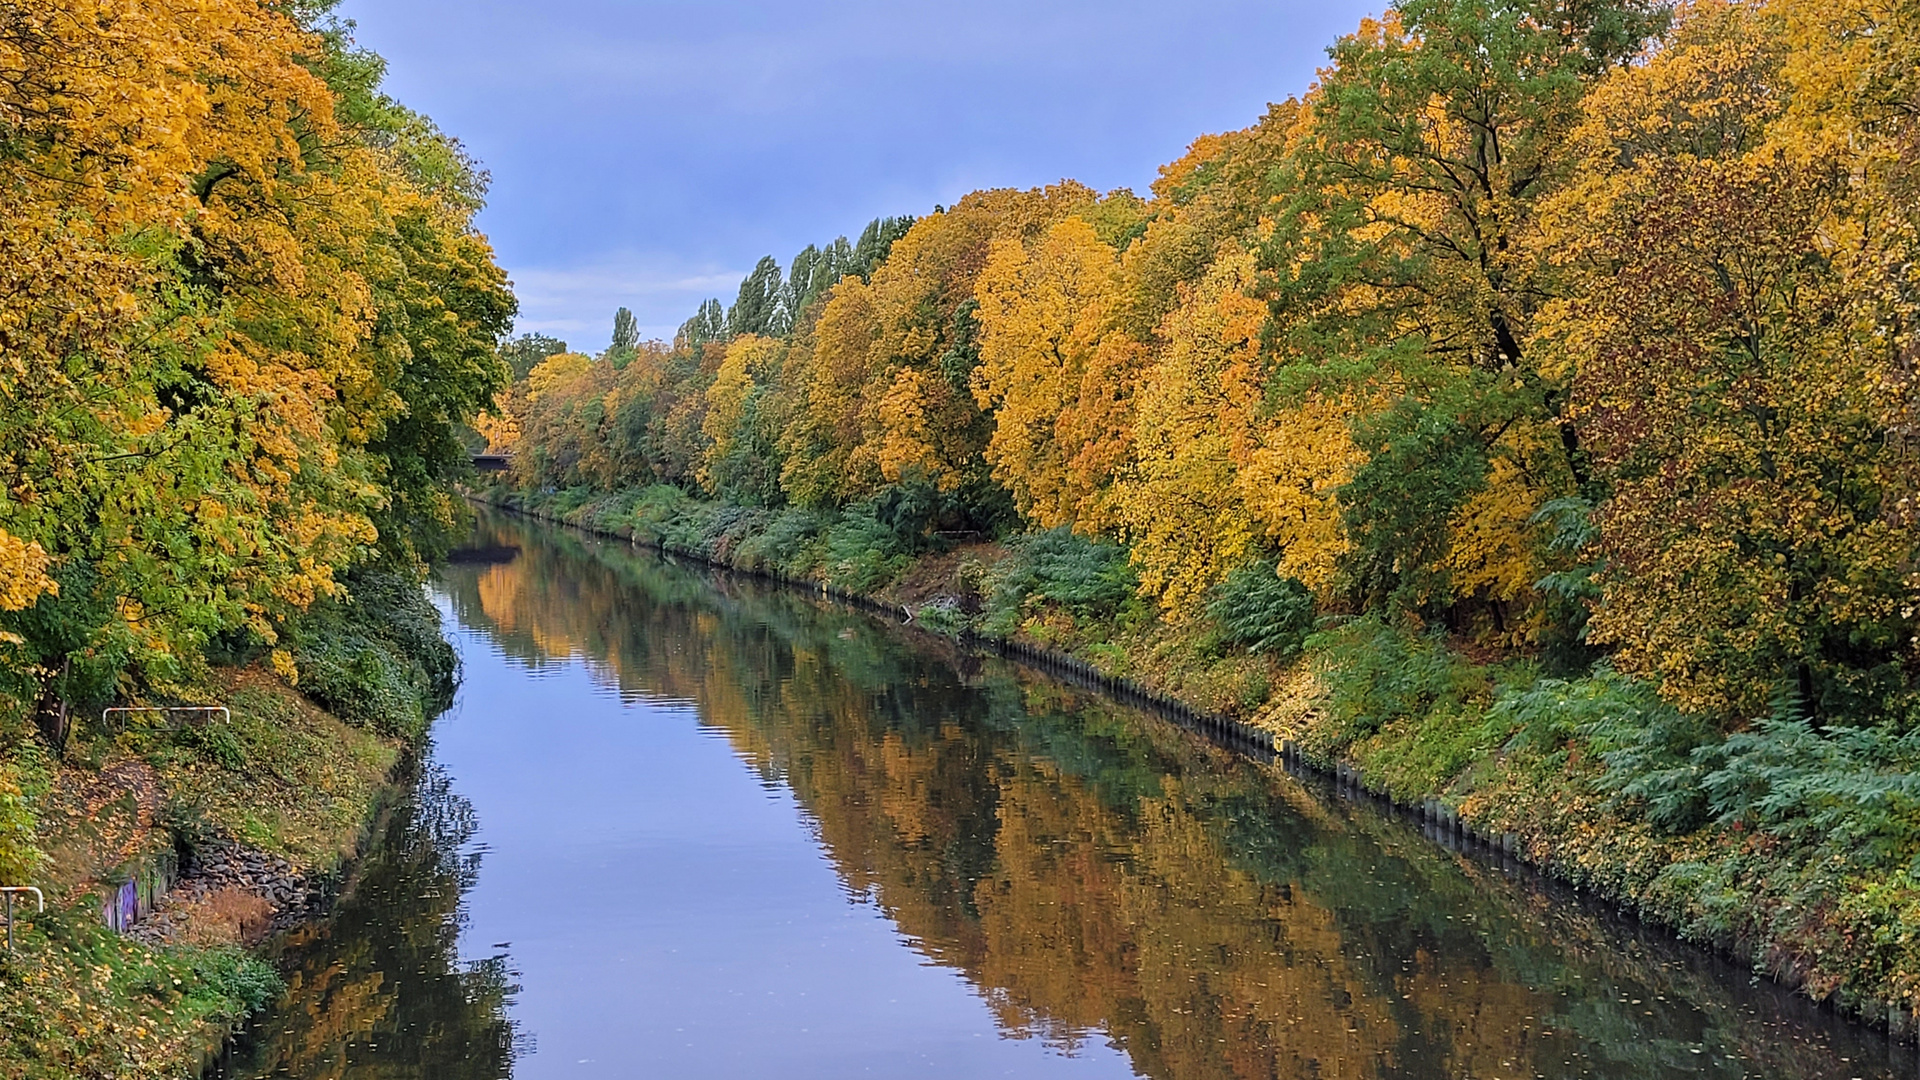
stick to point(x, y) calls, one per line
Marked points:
point(8, 891)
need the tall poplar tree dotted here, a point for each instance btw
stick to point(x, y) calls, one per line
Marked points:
point(757, 308)
point(626, 338)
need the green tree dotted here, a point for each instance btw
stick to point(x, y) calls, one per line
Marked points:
point(524, 353)
point(1404, 265)
point(626, 338)
point(757, 309)
point(875, 244)
point(443, 307)
point(709, 323)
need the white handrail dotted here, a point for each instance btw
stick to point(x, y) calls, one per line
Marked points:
point(225, 714)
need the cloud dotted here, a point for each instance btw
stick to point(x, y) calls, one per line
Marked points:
point(640, 149)
point(577, 301)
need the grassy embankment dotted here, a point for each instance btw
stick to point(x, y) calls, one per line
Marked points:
point(299, 776)
point(1790, 850)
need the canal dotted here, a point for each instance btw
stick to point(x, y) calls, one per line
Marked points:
point(687, 825)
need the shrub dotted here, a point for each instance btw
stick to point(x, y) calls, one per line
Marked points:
point(239, 983)
point(1608, 708)
point(657, 510)
point(1851, 790)
point(216, 741)
point(1649, 753)
point(375, 658)
point(1089, 578)
point(1570, 590)
point(20, 856)
point(789, 543)
point(924, 517)
point(728, 527)
point(942, 615)
point(863, 553)
point(1263, 611)
point(1847, 790)
point(1377, 673)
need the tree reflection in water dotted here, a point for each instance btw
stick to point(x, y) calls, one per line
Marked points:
point(1099, 874)
point(378, 989)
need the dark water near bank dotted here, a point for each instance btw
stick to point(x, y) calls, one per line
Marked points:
point(682, 825)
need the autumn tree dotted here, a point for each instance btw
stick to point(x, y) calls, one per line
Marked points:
point(247, 315)
point(1730, 336)
point(1179, 502)
point(1056, 372)
point(527, 350)
point(742, 461)
point(815, 270)
point(1402, 270)
point(891, 361)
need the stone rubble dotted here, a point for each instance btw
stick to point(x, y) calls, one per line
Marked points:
point(224, 864)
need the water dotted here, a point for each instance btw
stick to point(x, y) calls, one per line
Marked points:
point(683, 825)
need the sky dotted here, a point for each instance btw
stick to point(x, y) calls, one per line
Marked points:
point(646, 154)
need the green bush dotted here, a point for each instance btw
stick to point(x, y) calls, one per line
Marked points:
point(216, 741)
point(1263, 611)
point(1651, 768)
point(1090, 578)
point(729, 527)
point(609, 512)
point(566, 501)
point(74, 634)
point(1850, 790)
point(20, 854)
point(1571, 589)
point(1608, 708)
point(238, 983)
point(863, 553)
point(924, 517)
point(658, 511)
point(375, 658)
point(789, 543)
point(1847, 790)
point(1425, 459)
point(1377, 673)
point(942, 615)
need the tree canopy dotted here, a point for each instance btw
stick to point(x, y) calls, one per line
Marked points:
point(1580, 328)
point(246, 315)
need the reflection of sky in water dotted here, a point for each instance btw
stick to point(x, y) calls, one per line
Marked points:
point(671, 916)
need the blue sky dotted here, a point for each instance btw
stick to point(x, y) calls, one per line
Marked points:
point(648, 153)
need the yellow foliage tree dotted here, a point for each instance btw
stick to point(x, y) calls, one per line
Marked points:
point(23, 573)
point(1292, 464)
point(240, 308)
point(1056, 373)
point(865, 424)
point(1730, 339)
point(735, 443)
point(1180, 504)
point(555, 371)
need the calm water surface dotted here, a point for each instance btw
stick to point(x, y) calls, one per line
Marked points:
point(687, 826)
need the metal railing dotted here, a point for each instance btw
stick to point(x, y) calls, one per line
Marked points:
point(8, 891)
point(106, 716)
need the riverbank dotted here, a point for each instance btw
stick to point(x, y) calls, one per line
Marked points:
point(1787, 850)
point(211, 832)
